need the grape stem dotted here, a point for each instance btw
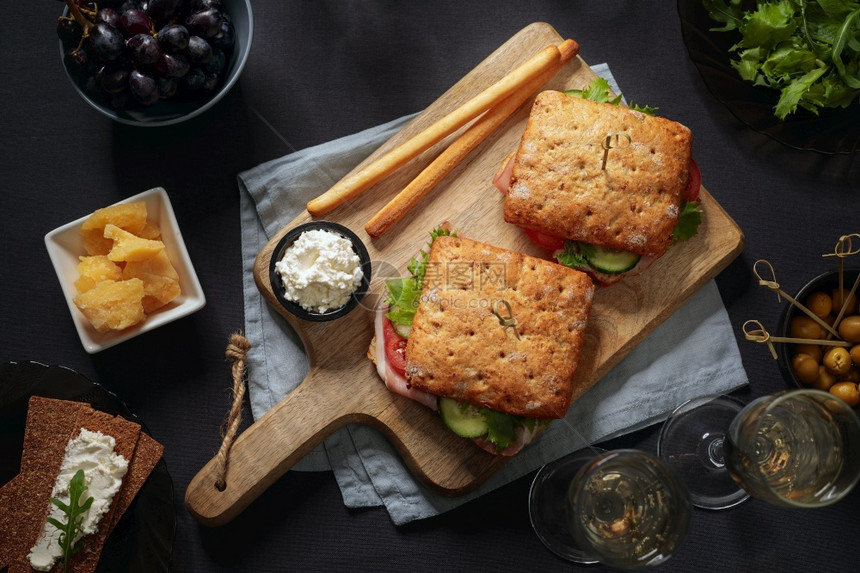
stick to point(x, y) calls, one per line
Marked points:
point(75, 11)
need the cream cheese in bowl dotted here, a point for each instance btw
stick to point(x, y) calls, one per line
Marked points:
point(319, 271)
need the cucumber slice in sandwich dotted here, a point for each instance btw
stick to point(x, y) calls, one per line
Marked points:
point(402, 330)
point(463, 419)
point(606, 260)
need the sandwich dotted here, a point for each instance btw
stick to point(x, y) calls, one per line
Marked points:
point(608, 188)
point(489, 337)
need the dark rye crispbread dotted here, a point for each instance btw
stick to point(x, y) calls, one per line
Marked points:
point(126, 434)
point(458, 347)
point(24, 507)
point(558, 185)
point(24, 501)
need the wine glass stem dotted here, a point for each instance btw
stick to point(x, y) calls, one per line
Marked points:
point(715, 451)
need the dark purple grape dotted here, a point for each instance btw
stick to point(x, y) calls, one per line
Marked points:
point(106, 42)
point(199, 51)
point(198, 5)
point(206, 23)
point(211, 83)
point(141, 51)
point(216, 63)
point(172, 65)
point(194, 80)
point(112, 78)
point(173, 38)
point(78, 61)
point(69, 31)
point(135, 22)
point(144, 48)
point(144, 88)
point(108, 16)
point(167, 87)
point(92, 87)
point(120, 100)
point(226, 36)
point(161, 10)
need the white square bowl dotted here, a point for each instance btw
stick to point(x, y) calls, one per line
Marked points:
point(65, 246)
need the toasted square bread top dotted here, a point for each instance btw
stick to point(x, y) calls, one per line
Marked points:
point(558, 185)
point(460, 349)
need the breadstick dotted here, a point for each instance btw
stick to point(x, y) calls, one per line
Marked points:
point(352, 185)
point(453, 155)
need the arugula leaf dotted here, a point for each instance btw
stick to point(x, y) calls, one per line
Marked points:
point(404, 294)
point(74, 516)
point(749, 63)
point(570, 257)
point(646, 109)
point(688, 222)
point(730, 14)
point(501, 428)
point(791, 95)
point(852, 21)
point(808, 51)
point(768, 25)
point(785, 61)
point(598, 91)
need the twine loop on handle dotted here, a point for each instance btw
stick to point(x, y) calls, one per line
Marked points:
point(237, 354)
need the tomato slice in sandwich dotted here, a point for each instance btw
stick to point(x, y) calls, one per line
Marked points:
point(694, 183)
point(395, 348)
point(545, 240)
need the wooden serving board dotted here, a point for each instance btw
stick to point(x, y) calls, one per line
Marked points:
point(342, 386)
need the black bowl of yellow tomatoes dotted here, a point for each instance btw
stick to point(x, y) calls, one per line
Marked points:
point(834, 368)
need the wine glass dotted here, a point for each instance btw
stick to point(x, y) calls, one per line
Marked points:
point(623, 508)
point(797, 448)
point(692, 440)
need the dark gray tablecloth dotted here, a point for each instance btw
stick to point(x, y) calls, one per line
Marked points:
point(322, 70)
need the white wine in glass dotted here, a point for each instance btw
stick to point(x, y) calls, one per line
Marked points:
point(623, 508)
point(796, 449)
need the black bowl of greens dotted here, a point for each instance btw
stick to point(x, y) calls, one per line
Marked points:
point(808, 48)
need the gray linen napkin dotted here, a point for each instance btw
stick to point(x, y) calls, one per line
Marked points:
point(665, 370)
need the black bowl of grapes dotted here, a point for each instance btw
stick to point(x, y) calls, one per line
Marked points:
point(154, 62)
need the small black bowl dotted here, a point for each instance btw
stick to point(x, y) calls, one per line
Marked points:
point(278, 286)
point(827, 282)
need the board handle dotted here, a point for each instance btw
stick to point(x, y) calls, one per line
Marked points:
point(262, 454)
